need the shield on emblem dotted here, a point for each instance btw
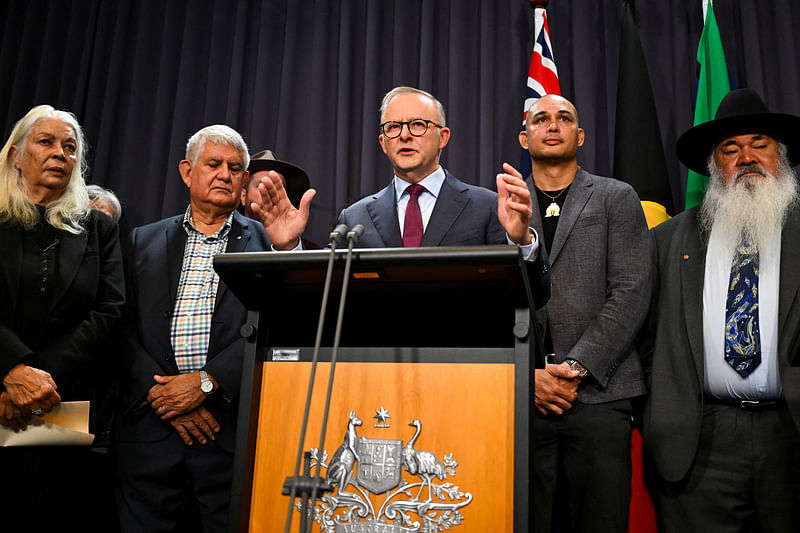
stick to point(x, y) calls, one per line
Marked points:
point(378, 464)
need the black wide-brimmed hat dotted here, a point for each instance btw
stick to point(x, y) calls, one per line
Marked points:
point(741, 111)
point(297, 181)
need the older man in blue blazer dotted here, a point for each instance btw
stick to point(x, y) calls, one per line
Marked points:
point(182, 358)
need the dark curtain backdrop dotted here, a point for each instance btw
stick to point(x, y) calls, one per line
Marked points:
point(305, 78)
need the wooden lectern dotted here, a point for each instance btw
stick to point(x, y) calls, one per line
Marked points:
point(433, 388)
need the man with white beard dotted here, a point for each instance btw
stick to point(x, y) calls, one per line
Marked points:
point(721, 348)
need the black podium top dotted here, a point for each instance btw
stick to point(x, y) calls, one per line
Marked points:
point(448, 296)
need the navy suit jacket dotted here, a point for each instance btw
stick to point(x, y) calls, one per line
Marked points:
point(153, 260)
point(464, 215)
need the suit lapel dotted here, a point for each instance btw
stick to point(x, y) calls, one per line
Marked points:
point(174, 246)
point(692, 272)
point(449, 205)
point(383, 212)
point(238, 238)
point(577, 197)
point(73, 248)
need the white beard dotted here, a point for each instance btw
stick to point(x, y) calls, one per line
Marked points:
point(752, 207)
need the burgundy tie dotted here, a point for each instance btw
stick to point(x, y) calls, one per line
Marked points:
point(412, 226)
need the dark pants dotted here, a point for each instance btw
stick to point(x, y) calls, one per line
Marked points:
point(167, 486)
point(582, 469)
point(58, 488)
point(745, 476)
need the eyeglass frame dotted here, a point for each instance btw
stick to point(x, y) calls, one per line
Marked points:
point(407, 124)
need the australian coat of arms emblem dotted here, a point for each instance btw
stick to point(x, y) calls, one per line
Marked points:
point(383, 486)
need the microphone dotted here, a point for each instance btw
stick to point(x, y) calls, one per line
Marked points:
point(338, 234)
point(352, 237)
point(355, 233)
point(297, 484)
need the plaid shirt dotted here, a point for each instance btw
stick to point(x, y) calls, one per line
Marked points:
point(197, 292)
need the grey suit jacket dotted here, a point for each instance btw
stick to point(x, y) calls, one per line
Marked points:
point(600, 284)
point(464, 215)
point(672, 342)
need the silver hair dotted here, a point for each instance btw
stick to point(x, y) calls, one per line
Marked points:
point(754, 208)
point(217, 134)
point(68, 211)
point(101, 193)
point(397, 91)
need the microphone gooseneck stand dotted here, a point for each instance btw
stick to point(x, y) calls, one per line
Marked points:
point(297, 484)
point(352, 238)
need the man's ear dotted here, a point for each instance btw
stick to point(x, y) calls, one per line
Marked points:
point(185, 168)
point(523, 140)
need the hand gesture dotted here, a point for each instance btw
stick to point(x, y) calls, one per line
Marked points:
point(514, 208)
point(283, 222)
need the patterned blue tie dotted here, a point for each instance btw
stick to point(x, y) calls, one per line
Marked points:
point(742, 337)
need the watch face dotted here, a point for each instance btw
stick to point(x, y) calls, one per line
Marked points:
point(206, 386)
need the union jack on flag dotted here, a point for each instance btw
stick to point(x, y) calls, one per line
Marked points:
point(542, 74)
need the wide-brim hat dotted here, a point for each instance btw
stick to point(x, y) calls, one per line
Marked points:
point(741, 111)
point(297, 181)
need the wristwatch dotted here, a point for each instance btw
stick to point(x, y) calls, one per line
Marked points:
point(575, 365)
point(206, 385)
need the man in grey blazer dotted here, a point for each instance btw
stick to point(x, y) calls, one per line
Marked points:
point(599, 247)
point(721, 346)
point(447, 211)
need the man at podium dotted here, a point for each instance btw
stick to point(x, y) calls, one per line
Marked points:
point(424, 205)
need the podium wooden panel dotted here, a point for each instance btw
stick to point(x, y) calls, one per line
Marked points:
point(464, 370)
point(473, 427)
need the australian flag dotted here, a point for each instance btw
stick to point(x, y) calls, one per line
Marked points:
point(542, 74)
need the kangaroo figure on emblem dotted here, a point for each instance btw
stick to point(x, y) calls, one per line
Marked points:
point(340, 469)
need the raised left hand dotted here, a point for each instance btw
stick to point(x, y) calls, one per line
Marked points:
point(514, 207)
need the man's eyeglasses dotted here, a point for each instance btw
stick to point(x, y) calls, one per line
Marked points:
point(416, 127)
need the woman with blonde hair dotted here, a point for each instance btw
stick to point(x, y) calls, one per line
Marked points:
point(62, 294)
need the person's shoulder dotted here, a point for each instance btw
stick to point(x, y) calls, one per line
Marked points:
point(362, 203)
point(681, 222)
point(146, 232)
point(609, 184)
point(475, 191)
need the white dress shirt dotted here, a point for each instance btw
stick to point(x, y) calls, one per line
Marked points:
point(721, 380)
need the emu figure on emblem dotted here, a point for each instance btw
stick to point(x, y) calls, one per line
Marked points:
point(421, 462)
point(340, 469)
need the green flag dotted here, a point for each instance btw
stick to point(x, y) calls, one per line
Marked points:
point(712, 86)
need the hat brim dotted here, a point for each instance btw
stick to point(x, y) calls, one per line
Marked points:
point(696, 144)
point(297, 182)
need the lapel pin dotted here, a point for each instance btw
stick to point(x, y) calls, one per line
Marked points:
point(238, 237)
point(685, 257)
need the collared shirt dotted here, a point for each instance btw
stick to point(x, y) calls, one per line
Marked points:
point(427, 200)
point(197, 293)
point(721, 380)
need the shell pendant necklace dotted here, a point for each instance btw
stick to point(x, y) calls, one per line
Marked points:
point(553, 210)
